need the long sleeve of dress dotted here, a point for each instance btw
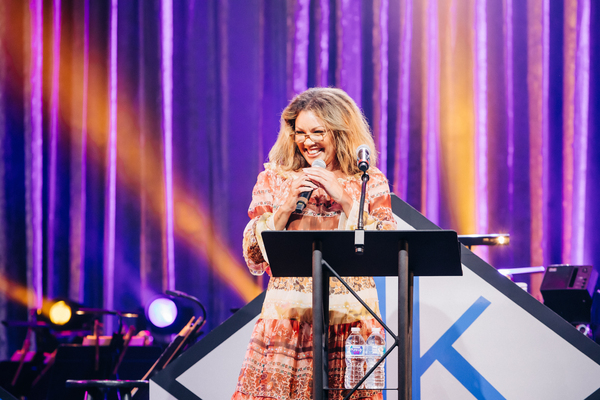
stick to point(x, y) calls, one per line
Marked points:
point(261, 219)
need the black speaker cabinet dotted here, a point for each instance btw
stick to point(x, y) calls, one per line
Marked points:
point(566, 291)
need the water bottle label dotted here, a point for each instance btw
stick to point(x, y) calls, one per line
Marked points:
point(355, 350)
point(375, 350)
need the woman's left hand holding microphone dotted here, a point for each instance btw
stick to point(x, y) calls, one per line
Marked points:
point(329, 182)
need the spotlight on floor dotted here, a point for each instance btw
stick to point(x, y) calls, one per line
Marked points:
point(494, 239)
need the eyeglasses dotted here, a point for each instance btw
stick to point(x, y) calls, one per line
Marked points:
point(315, 136)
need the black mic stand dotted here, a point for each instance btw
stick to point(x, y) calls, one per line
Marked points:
point(178, 293)
point(359, 233)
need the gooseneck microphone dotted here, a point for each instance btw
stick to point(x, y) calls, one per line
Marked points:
point(363, 157)
point(304, 196)
point(183, 295)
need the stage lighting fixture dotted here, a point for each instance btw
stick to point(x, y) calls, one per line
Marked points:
point(494, 239)
point(161, 312)
point(62, 315)
point(166, 315)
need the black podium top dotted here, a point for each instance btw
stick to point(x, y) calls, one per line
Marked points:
point(431, 253)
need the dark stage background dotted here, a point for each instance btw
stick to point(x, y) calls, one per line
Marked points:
point(132, 132)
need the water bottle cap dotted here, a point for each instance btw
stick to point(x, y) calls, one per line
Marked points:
point(355, 329)
point(375, 330)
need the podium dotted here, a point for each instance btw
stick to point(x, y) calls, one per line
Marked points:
point(386, 253)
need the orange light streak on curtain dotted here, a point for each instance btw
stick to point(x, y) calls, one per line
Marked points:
point(569, 53)
point(190, 215)
point(535, 85)
point(191, 219)
point(457, 132)
point(90, 132)
point(15, 292)
point(20, 294)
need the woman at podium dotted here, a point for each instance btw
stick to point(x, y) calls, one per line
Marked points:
point(319, 124)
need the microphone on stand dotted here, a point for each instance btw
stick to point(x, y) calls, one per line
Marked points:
point(363, 157)
point(304, 196)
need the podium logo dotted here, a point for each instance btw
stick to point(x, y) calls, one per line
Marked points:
point(443, 352)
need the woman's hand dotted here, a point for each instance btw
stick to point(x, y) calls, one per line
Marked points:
point(328, 181)
point(300, 184)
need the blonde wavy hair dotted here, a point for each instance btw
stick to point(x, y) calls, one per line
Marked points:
point(342, 119)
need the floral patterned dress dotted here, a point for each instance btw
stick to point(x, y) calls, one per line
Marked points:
point(278, 362)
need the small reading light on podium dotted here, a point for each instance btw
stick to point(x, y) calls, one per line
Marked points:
point(494, 239)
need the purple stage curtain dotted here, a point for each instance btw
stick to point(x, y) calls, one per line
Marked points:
point(132, 132)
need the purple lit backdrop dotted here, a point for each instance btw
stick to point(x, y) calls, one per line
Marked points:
point(132, 132)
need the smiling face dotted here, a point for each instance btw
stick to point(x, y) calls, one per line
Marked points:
point(308, 123)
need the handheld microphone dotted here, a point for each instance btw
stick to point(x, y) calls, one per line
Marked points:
point(363, 157)
point(304, 196)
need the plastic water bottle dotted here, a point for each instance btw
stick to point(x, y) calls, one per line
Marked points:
point(355, 358)
point(374, 351)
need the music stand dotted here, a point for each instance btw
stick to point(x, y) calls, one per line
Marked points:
point(303, 254)
point(76, 362)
